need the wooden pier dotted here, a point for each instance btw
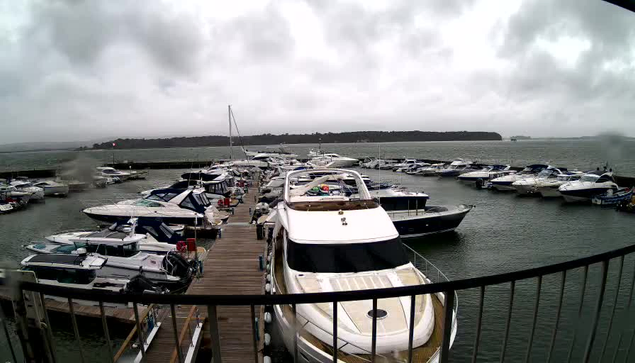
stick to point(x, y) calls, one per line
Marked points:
point(231, 268)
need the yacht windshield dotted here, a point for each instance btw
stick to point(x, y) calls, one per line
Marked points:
point(546, 173)
point(589, 178)
point(342, 258)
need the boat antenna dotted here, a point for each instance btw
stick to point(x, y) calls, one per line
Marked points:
point(231, 145)
point(379, 168)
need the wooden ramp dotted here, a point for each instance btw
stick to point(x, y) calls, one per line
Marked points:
point(231, 268)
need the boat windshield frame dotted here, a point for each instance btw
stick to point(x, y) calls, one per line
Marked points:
point(363, 198)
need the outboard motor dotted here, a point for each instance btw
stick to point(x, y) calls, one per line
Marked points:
point(177, 265)
point(141, 284)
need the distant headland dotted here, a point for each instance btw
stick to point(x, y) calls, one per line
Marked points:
point(327, 138)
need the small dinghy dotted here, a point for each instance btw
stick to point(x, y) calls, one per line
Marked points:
point(613, 198)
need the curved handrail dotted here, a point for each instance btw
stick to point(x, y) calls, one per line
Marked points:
point(323, 297)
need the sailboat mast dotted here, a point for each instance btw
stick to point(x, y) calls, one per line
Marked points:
point(231, 143)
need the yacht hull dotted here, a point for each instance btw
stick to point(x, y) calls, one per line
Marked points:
point(549, 192)
point(189, 221)
point(411, 225)
point(61, 190)
point(525, 189)
point(503, 186)
point(581, 195)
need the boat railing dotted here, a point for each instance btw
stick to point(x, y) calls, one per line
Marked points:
point(584, 307)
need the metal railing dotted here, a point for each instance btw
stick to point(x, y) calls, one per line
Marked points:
point(440, 285)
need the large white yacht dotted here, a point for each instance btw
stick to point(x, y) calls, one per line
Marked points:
point(549, 188)
point(328, 242)
point(529, 185)
point(589, 186)
point(504, 183)
point(487, 173)
point(332, 160)
point(190, 207)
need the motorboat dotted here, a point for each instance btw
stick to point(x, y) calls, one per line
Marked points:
point(12, 193)
point(152, 236)
point(432, 170)
point(481, 177)
point(529, 185)
point(332, 160)
point(111, 172)
point(404, 164)
point(216, 186)
point(5, 206)
point(589, 186)
point(124, 260)
point(414, 169)
point(81, 271)
point(327, 242)
point(413, 218)
point(456, 168)
point(53, 188)
point(611, 198)
point(37, 193)
point(504, 183)
point(548, 188)
point(418, 221)
point(173, 206)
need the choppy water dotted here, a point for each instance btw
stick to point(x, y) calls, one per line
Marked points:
point(503, 233)
point(582, 154)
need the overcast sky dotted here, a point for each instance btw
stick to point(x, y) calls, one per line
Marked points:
point(83, 70)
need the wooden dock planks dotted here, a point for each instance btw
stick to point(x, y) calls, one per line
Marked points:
point(231, 268)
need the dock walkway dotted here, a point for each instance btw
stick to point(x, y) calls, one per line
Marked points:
point(231, 268)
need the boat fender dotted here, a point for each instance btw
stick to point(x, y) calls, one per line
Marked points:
point(266, 359)
point(268, 317)
point(268, 288)
point(268, 277)
point(261, 264)
point(267, 339)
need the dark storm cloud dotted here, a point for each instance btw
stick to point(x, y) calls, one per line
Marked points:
point(83, 30)
point(96, 69)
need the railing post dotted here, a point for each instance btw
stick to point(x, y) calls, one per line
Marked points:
point(555, 327)
point(335, 331)
point(254, 332)
point(411, 326)
point(479, 321)
point(598, 309)
point(509, 319)
point(179, 353)
point(582, 292)
point(48, 333)
point(76, 329)
point(448, 315)
point(214, 333)
point(617, 294)
point(535, 318)
point(139, 331)
point(104, 324)
point(295, 332)
point(373, 349)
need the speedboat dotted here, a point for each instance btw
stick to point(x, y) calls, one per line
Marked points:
point(487, 173)
point(53, 188)
point(548, 188)
point(404, 164)
point(589, 186)
point(529, 185)
point(81, 271)
point(37, 193)
point(414, 169)
point(612, 198)
point(431, 170)
point(332, 160)
point(173, 206)
point(153, 236)
point(325, 242)
point(14, 194)
point(456, 168)
point(124, 260)
point(110, 172)
point(504, 183)
point(217, 183)
point(413, 218)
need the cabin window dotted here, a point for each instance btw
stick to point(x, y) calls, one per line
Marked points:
point(165, 197)
point(341, 258)
point(187, 203)
point(76, 276)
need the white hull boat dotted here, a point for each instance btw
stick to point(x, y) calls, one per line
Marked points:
point(589, 186)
